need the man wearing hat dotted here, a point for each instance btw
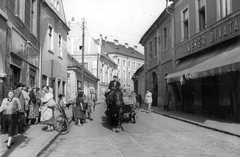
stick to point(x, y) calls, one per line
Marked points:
point(19, 95)
point(114, 84)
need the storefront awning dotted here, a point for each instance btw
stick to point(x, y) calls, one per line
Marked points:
point(210, 64)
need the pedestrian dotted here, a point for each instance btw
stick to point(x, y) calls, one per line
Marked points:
point(80, 108)
point(91, 102)
point(167, 99)
point(10, 108)
point(61, 103)
point(25, 91)
point(22, 118)
point(148, 99)
point(38, 95)
point(47, 108)
point(32, 104)
point(139, 100)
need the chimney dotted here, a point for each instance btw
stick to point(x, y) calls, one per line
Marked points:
point(115, 41)
point(135, 47)
point(126, 45)
point(106, 38)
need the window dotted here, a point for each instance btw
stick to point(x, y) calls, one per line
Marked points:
point(34, 18)
point(155, 46)
point(151, 50)
point(124, 85)
point(119, 62)
point(201, 13)
point(119, 73)
point(60, 45)
point(165, 38)
point(129, 85)
point(185, 15)
point(124, 62)
point(134, 64)
point(57, 7)
point(224, 8)
point(20, 9)
point(129, 75)
point(129, 63)
point(124, 74)
point(50, 37)
point(139, 65)
point(86, 65)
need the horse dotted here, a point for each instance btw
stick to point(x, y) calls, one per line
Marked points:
point(114, 101)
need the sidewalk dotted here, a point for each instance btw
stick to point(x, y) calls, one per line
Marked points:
point(220, 125)
point(32, 142)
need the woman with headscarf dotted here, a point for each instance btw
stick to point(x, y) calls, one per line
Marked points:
point(47, 108)
point(10, 108)
point(80, 108)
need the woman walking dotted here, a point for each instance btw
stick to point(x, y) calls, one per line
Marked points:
point(149, 100)
point(10, 108)
point(32, 103)
point(47, 108)
point(80, 108)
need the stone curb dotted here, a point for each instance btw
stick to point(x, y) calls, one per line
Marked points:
point(195, 123)
point(47, 143)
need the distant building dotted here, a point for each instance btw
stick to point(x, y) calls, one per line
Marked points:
point(128, 60)
point(95, 59)
point(53, 39)
point(158, 42)
point(74, 78)
point(139, 81)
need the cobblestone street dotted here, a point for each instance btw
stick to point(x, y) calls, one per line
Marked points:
point(152, 135)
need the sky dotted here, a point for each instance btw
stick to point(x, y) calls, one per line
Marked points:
point(124, 20)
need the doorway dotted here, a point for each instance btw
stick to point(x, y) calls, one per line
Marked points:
point(15, 73)
point(155, 89)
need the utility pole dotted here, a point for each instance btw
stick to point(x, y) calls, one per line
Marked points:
point(83, 27)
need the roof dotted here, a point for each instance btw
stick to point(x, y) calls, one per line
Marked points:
point(72, 62)
point(112, 48)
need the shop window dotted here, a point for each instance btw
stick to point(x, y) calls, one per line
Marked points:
point(20, 9)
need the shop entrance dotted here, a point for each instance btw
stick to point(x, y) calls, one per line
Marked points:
point(14, 76)
point(210, 94)
point(188, 96)
point(155, 89)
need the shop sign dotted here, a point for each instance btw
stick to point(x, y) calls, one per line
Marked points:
point(218, 33)
point(23, 49)
point(215, 35)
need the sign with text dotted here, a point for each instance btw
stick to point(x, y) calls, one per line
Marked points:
point(218, 33)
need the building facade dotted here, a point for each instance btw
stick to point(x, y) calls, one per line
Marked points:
point(74, 79)
point(128, 60)
point(205, 79)
point(139, 81)
point(95, 59)
point(158, 44)
point(19, 43)
point(53, 39)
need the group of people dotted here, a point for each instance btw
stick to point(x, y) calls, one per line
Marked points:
point(25, 106)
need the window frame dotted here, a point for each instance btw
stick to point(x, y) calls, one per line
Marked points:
point(20, 6)
point(124, 62)
point(50, 41)
point(34, 18)
point(60, 53)
point(184, 20)
point(165, 38)
point(228, 8)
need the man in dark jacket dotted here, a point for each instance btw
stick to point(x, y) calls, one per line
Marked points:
point(114, 84)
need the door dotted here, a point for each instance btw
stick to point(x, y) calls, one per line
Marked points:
point(188, 96)
point(14, 76)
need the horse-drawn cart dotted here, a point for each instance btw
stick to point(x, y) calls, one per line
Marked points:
point(129, 108)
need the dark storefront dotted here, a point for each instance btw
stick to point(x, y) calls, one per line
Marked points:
point(207, 82)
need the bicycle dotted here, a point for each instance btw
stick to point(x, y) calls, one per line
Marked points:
point(61, 123)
